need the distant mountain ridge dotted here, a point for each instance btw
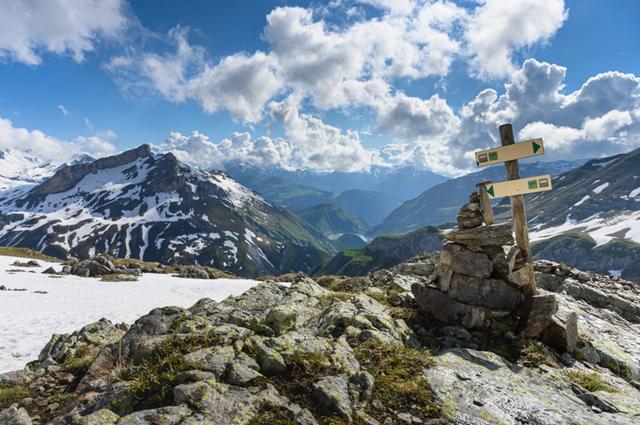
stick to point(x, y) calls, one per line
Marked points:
point(151, 206)
point(440, 204)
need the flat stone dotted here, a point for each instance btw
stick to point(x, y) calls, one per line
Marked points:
point(493, 235)
point(447, 309)
point(562, 333)
point(332, 394)
point(461, 260)
point(490, 293)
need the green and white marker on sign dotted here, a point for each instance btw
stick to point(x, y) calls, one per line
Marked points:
point(519, 187)
point(520, 150)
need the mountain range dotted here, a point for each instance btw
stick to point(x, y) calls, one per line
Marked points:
point(440, 203)
point(151, 206)
point(591, 218)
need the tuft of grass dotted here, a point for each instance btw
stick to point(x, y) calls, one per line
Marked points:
point(13, 251)
point(326, 300)
point(535, 353)
point(62, 398)
point(79, 363)
point(591, 381)
point(303, 370)
point(153, 381)
point(10, 394)
point(400, 384)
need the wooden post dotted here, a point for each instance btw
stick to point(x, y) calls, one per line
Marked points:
point(485, 204)
point(517, 208)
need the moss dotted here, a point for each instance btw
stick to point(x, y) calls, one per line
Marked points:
point(13, 251)
point(153, 381)
point(400, 384)
point(10, 394)
point(79, 363)
point(591, 381)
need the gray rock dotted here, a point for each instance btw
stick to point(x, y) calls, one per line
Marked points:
point(271, 362)
point(170, 415)
point(218, 403)
point(512, 395)
point(494, 235)
point(361, 387)
point(101, 417)
point(447, 309)
point(462, 260)
point(14, 416)
point(490, 293)
point(281, 318)
point(240, 374)
point(332, 395)
point(562, 333)
point(211, 359)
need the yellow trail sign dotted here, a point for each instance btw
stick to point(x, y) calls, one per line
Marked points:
point(524, 149)
point(519, 187)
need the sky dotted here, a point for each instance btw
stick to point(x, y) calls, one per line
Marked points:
point(341, 85)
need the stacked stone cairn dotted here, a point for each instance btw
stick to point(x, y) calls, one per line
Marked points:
point(481, 280)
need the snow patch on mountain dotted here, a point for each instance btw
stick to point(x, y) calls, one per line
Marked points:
point(601, 187)
point(601, 228)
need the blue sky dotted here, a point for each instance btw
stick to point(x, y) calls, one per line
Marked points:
point(319, 91)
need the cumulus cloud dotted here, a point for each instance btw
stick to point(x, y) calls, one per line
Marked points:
point(53, 149)
point(496, 29)
point(63, 27)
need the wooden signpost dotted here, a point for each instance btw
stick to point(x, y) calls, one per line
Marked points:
point(515, 187)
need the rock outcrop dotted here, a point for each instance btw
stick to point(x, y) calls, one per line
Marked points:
point(342, 350)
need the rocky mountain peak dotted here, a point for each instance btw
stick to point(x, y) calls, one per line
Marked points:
point(151, 206)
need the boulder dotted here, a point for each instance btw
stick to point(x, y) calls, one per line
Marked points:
point(332, 395)
point(271, 362)
point(490, 293)
point(493, 235)
point(447, 309)
point(461, 260)
point(14, 416)
point(562, 333)
point(537, 315)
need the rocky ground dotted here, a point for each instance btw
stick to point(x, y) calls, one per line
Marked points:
point(339, 350)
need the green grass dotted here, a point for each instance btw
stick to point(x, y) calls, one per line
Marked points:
point(400, 384)
point(591, 381)
point(12, 251)
point(153, 381)
point(10, 394)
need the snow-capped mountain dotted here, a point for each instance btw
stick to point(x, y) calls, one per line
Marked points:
point(151, 206)
point(19, 168)
point(591, 218)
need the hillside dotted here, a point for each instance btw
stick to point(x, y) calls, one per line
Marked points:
point(383, 251)
point(440, 203)
point(151, 206)
point(591, 218)
point(331, 219)
point(338, 351)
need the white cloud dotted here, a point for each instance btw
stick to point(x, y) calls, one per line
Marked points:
point(239, 83)
point(409, 117)
point(64, 111)
point(498, 28)
point(50, 148)
point(63, 27)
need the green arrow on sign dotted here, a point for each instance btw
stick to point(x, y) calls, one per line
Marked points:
point(536, 147)
point(490, 191)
